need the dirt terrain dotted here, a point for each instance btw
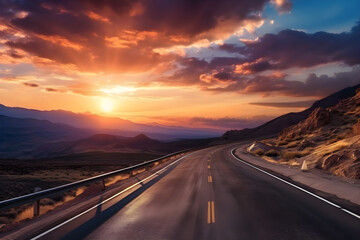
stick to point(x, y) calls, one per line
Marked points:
point(328, 139)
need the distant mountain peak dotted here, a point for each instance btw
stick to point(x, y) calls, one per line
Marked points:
point(142, 137)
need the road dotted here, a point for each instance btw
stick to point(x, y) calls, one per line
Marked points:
point(211, 195)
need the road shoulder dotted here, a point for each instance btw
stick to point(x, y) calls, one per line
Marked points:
point(316, 179)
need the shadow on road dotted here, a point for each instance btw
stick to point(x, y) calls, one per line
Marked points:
point(100, 217)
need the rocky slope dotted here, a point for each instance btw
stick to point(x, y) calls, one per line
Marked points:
point(276, 125)
point(328, 139)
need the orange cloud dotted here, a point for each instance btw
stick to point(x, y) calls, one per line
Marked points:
point(98, 17)
point(60, 41)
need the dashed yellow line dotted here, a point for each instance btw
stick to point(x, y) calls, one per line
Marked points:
point(210, 179)
point(208, 166)
point(211, 212)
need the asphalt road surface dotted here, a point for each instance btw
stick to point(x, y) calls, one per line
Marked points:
point(211, 195)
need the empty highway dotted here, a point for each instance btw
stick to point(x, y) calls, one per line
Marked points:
point(209, 195)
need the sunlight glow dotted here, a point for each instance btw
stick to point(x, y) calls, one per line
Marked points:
point(107, 105)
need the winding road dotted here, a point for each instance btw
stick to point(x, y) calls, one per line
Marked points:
point(208, 194)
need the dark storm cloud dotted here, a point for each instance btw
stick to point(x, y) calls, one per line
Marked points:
point(191, 17)
point(285, 50)
point(292, 48)
point(107, 35)
point(314, 85)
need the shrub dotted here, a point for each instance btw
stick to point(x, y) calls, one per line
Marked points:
point(259, 152)
point(282, 143)
point(272, 153)
point(292, 144)
point(294, 154)
point(299, 138)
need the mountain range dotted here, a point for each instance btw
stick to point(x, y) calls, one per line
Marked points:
point(109, 125)
point(276, 125)
point(27, 133)
point(28, 138)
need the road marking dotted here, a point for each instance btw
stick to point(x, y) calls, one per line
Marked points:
point(210, 179)
point(295, 186)
point(208, 166)
point(108, 199)
point(211, 212)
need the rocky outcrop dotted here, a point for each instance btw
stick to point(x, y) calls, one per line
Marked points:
point(318, 118)
point(345, 163)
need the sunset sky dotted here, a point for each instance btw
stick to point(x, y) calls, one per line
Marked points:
point(222, 64)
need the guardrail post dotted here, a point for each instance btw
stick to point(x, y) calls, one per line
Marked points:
point(36, 204)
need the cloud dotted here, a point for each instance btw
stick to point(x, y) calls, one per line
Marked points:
point(283, 6)
point(50, 89)
point(28, 84)
point(191, 18)
point(314, 85)
point(230, 123)
point(298, 104)
point(293, 48)
point(118, 35)
point(260, 65)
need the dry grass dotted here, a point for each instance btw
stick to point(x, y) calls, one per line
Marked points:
point(272, 153)
point(282, 143)
point(292, 144)
point(20, 177)
point(288, 155)
point(258, 152)
point(336, 147)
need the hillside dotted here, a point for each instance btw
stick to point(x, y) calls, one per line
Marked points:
point(110, 143)
point(110, 125)
point(100, 142)
point(27, 138)
point(276, 125)
point(329, 139)
point(18, 136)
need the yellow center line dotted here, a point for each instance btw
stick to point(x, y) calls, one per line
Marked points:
point(209, 213)
point(213, 211)
point(209, 178)
point(208, 166)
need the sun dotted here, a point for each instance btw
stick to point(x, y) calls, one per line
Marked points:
point(107, 105)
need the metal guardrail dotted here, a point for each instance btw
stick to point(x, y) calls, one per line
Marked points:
point(36, 196)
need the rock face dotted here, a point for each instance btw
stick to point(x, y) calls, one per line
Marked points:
point(318, 118)
point(345, 163)
point(345, 114)
point(335, 130)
